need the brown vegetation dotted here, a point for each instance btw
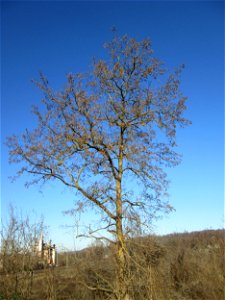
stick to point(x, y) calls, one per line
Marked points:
point(176, 267)
point(17, 256)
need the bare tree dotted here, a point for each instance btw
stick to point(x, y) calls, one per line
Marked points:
point(109, 135)
point(17, 255)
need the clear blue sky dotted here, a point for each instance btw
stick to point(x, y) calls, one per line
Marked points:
point(62, 37)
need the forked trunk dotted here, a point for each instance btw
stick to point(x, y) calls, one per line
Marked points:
point(122, 254)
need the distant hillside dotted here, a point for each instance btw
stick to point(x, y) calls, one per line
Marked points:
point(181, 266)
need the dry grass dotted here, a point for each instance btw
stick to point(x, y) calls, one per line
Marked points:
point(175, 267)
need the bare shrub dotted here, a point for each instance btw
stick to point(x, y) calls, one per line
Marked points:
point(17, 256)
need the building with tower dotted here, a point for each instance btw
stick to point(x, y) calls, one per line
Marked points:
point(46, 251)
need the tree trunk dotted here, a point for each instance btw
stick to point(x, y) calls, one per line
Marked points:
point(122, 255)
point(122, 268)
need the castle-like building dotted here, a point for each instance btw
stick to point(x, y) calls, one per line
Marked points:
point(46, 251)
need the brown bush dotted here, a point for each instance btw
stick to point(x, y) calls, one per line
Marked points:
point(177, 267)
